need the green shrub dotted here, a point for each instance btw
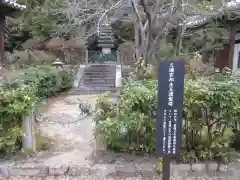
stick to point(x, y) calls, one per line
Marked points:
point(211, 111)
point(44, 80)
point(14, 104)
point(20, 93)
point(48, 81)
point(130, 125)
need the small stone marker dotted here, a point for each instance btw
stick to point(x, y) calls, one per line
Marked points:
point(29, 140)
point(169, 113)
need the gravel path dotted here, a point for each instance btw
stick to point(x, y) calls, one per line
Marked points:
point(71, 132)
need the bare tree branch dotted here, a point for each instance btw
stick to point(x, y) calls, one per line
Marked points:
point(152, 19)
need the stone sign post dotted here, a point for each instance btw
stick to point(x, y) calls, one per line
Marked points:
point(29, 141)
point(169, 113)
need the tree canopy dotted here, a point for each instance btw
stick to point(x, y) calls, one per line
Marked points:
point(146, 22)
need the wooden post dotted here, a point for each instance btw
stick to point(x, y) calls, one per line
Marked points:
point(2, 24)
point(166, 168)
point(86, 56)
point(29, 141)
point(231, 45)
point(118, 58)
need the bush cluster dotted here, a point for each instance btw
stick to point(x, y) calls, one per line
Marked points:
point(14, 104)
point(48, 81)
point(20, 94)
point(45, 81)
point(210, 118)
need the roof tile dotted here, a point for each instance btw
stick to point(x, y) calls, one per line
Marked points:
point(12, 4)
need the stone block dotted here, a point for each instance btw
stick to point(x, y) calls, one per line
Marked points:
point(79, 170)
point(146, 169)
point(58, 170)
point(180, 167)
point(99, 171)
point(126, 169)
point(199, 167)
point(28, 170)
point(4, 171)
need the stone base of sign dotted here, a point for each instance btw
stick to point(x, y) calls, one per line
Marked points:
point(127, 169)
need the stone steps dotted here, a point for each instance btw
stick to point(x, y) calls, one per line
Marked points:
point(92, 85)
point(100, 69)
point(98, 82)
point(100, 74)
point(97, 78)
point(83, 91)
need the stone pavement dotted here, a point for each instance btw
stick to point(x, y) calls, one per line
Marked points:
point(117, 178)
point(114, 171)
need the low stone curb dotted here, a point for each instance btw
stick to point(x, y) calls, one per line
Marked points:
point(108, 170)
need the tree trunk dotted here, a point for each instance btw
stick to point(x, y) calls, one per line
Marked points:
point(2, 24)
point(137, 43)
point(205, 53)
point(178, 43)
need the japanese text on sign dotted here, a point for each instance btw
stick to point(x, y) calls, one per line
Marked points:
point(171, 80)
point(170, 104)
point(170, 125)
point(164, 130)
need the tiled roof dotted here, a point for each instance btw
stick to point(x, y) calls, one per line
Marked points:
point(12, 4)
point(199, 20)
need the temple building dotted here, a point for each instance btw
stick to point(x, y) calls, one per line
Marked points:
point(102, 46)
point(7, 8)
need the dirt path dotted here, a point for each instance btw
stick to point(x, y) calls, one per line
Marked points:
point(72, 134)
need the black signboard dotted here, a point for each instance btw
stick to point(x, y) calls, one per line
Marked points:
point(170, 107)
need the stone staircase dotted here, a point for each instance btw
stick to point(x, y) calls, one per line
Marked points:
point(97, 78)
